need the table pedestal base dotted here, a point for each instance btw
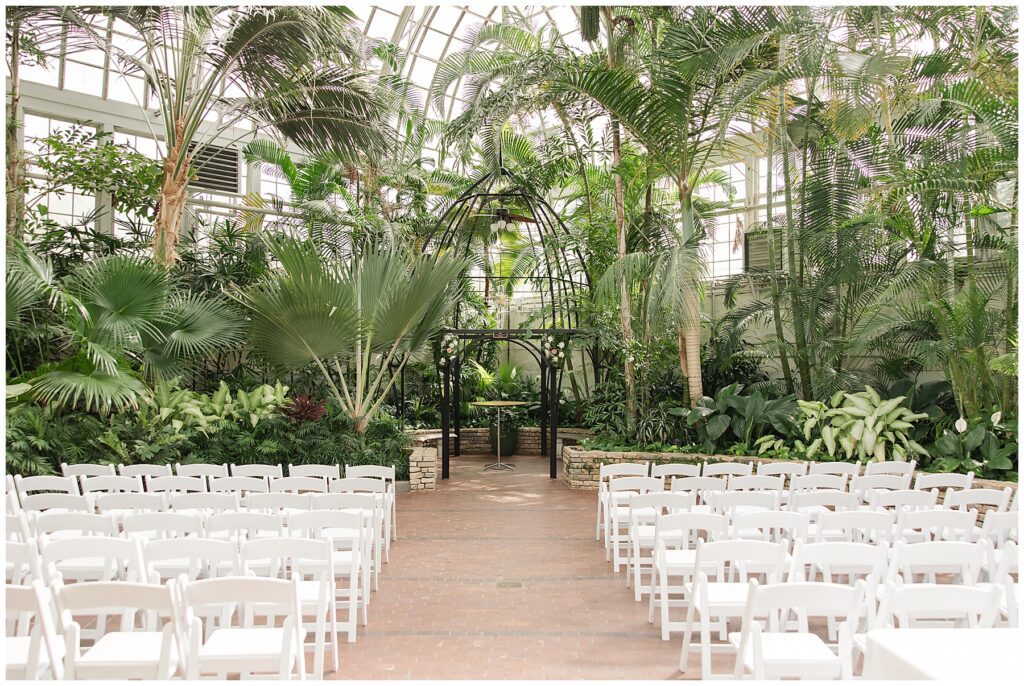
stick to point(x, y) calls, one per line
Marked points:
point(500, 465)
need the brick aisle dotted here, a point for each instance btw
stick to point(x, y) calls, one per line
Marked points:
point(497, 575)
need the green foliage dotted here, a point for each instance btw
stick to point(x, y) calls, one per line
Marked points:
point(745, 418)
point(987, 447)
point(208, 413)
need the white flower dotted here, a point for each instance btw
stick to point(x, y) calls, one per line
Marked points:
point(961, 425)
point(561, 354)
point(996, 417)
point(561, 344)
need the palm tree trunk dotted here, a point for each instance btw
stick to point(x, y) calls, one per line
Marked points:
point(172, 201)
point(689, 322)
point(780, 332)
point(15, 184)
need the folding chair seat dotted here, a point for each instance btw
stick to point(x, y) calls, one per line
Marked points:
point(237, 645)
point(347, 533)
point(139, 649)
point(772, 652)
point(730, 563)
point(311, 561)
point(729, 469)
point(142, 470)
point(606, 473)
point(176, 484)
point(111, 484)
point(32, 648)
point(621, 491)
point(261, 471)
point(848, 469)
point(391, 514)
point(675, 554)
point(891, 467)
point(298, 484)
point(279, 503)
point(205, 503)
point(643, 513)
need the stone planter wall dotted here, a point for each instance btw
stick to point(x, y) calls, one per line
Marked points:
point(581, 468)
point(477, 440)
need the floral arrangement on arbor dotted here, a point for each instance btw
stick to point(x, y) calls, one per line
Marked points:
point(555, 348)
point(449, 350)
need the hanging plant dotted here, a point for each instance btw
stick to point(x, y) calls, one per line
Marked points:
point(450, 349)
point(555, 348)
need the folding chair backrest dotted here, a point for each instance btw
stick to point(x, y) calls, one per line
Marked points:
point(808, 598)
point(290, 555)
point(372, 471)
point(320, 471)
point(955, 557)
point(701, 485)
point(239, 484)
point(358, 485)
point(1000, 527)
point(890, 467)
point(836, 501)
point(280, 593)
point(16, 527)
point(728, 469)
point(112, 484)
point(757, 483)
point(278, 502)
point(850, 469)
point(176, 484)
point(268, 471)
point(163, 525)
point(863, 485)
point(206, 502)
point(774, 525)
point(80, 470)
point(663, 502)
point(743, 558)
point(298, 484)
point(726, 502)
point(32, 606)
point(903, 499)
point(333, 524)
point(839, 558)
point(987, 497)
point(72, 524)
point(635, 484)
point(818, 482)
point(243, 525)
point(21, 562)
point(130, 503)
point(104, 595)
point(677, 530)
point(56, 501)
point(31, 485)
point(857, 526)
point(937, 524)
point(944, 481)
point(144, 470)
point(791, 469)
point(612, 471)
point(201, 469)
point(209, 557)
point(668, 473)
point(123, 555)
point(344, 501)
point(969, 606)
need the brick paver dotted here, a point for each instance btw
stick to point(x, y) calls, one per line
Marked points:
point(496, 575)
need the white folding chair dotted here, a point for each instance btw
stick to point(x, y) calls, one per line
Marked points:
point(80, 470)
point(669, 472)
point(856, 526)
point(205, 503)
point(195, 557)
point(606, 473)
point(132, 652)
point(321, 471)
point(21, 563)
point(818, 482)
point(347, 533)
point(120, 505)
point(999, 529)
point(262, 471)
point(702, 486)
point(643, 512)
point(244, 525)
point(175, 484)
point(817, 503)
point(788, 469)
point(902, 500)
point(732, 503)
point(891, 467)
point(111, 484)
point(91, 558)
point(775, 526)
point(730, 564)
point(848, 469)
point(154, 525)
point(236, 645)
point(914, 526)
point(727, 469)
point(771, 652)
point(927, 605)
point(842, 562)
point(32, 485)
point(622, 490)
point(32, 648)
point(279, 503)
point(862, 486)
point(946, 482)
point(757, 483)
point(71, 524)
point(311, 560)
point(201, 470)
point(239, 484)
point(378, 488)
point(674, 556)
point(364, 505)
point(930, 558)
point(973, 497)
point(57, 502)
point(144, 470)
point(298, 484)
point(16, 527)
point(391, 515)
point(1000, 575)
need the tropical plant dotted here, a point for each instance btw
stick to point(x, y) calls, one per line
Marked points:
point(359, 321)
point(113, 324)
point(987, 447)
point(747, 418)
point(287, 67)
point(304, 408)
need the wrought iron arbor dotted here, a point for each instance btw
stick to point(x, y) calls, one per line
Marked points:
point(544, 257)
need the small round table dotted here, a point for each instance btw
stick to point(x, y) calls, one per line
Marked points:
point(498, 404)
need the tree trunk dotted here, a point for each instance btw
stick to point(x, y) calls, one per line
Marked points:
point(689, 323)
point(172, 203)
point(780, 332)
point(15, 181)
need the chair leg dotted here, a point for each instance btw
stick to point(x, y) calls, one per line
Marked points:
point(654, 589)
point(320, 648)
point(663, 601)
point(705, 645)
point(684, 654)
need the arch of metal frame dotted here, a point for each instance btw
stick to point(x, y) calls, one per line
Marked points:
point(547, 259)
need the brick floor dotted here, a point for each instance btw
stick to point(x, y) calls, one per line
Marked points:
point(496, 575)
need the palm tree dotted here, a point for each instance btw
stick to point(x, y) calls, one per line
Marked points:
point(669, 101)
point(118, 321)
point(358, 321)
point(214, 68)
